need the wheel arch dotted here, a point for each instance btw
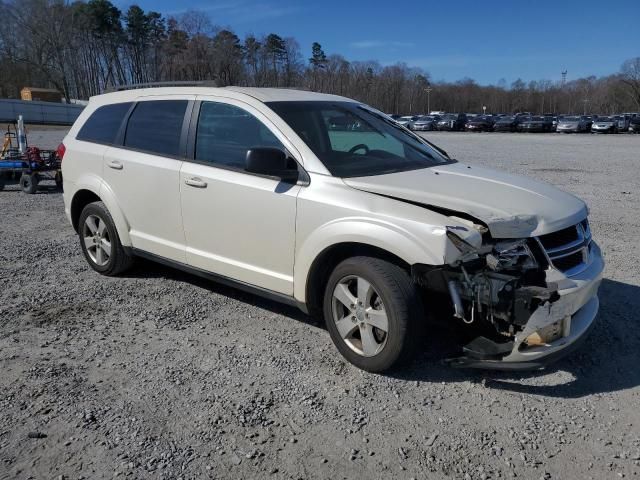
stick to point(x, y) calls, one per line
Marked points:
point(81, 199)
point(407, 245)
point(88, 194)
point(325, 262)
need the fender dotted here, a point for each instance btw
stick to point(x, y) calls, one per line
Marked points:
point(122, 225)
point(87, 181)
point(377, 233)
point(96, 185)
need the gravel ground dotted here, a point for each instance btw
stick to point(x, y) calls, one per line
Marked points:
point(159, 374)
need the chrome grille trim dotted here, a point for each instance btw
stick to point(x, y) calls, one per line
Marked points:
point(581, 245)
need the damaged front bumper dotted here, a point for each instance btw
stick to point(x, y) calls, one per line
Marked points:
point(553, 328)
point(573, 314)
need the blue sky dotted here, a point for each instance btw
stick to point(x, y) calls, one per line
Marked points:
point(487, 40)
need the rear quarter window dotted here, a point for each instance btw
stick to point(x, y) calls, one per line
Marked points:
point(103, 124)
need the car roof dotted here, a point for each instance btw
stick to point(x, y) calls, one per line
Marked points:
point(260, 94)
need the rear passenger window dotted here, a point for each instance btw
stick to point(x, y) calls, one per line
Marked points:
point(225, 133)
point(155, 126)
point(103, 124)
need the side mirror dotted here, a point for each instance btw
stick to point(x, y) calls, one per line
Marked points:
point(271, 162)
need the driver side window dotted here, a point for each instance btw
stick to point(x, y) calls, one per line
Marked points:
point(225, 133)
point(346, 131)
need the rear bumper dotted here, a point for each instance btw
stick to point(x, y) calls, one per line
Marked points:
point(575, 311)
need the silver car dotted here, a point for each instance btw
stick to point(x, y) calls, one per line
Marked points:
point(425, 123)
point(605, 125)
point(406, 120)
point(573, 124)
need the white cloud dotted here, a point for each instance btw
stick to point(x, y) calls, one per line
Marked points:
point(365, 44)
point(240, 11)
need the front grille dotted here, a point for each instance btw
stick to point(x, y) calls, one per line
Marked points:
point(570, 261)
point(568, 249)
point(559, 238)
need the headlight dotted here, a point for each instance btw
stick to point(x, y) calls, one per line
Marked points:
point(511, 255)
point(459, 243)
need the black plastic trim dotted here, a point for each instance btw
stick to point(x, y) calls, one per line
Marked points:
point(119, 140)
point(230, 282)
point(539, 364)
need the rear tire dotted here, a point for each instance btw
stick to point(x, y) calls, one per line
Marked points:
point(58, 179)
point(371, 308)
point(29, 183)
point(100, 242)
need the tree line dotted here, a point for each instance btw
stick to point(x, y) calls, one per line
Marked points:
point(86, 47)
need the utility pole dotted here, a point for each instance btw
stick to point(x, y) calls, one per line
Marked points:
point(564, 78)
point(585, 101)
point(428, 90)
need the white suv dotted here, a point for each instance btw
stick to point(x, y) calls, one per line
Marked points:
point(325, 203)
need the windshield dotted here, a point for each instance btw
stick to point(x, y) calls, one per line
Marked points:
point(605, 119)
point(450, 116)
point(374, 146)
point(571, 119)
point(426, 119)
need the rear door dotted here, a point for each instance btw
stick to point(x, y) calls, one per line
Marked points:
point(144, 173)
point(237, 224)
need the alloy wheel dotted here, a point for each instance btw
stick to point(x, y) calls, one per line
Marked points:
point(96, 240)
point(359, 315)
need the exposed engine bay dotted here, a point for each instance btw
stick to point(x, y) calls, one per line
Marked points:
point(496, 288)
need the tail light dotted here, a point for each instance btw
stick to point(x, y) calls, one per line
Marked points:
point(60, 151)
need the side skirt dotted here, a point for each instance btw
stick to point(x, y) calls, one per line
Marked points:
point(214, 277)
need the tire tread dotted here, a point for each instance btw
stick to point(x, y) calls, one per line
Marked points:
point(122, 260)
point(401, 292)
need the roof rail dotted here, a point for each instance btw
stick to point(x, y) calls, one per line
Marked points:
point(134, 86)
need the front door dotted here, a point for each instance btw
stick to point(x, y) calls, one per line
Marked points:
point(238, 225)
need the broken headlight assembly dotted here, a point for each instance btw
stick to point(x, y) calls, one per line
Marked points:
point(511, 255)
point(499, 283)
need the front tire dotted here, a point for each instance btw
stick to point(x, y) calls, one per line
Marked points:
point(371, 307)
point(100, 242)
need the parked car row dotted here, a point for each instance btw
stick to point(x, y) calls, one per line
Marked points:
point(522, 122)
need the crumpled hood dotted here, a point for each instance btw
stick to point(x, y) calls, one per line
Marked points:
point(510, 205)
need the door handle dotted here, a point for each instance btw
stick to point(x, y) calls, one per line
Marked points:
point(115, 165)
point(196, 182)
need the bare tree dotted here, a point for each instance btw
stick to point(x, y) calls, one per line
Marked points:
point(87, 46)
point(630, 76)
